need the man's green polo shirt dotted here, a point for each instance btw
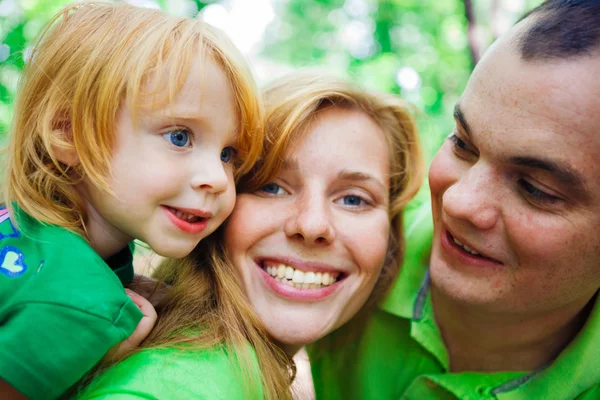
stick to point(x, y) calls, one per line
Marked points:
point(401, 354)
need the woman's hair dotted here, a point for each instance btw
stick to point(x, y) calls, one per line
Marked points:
point(89, 59)
point(294, 101)
point(206, 307)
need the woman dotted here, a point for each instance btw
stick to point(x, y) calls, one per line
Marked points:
point(317, 228)
point(315, 236)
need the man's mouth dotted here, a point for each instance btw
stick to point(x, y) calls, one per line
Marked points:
point(299, 279)
point(468, 249)
point(463, 246)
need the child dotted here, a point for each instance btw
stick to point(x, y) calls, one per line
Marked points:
point(129, 124)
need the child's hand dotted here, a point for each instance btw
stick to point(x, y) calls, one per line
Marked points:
point(141, 331)
point(150, 289)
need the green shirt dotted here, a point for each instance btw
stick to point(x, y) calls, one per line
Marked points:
point(401, 354)
point(61, 306)
point(173, 374)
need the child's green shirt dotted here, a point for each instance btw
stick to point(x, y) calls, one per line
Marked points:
point(61, 306)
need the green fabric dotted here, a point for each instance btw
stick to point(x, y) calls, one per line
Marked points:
point(61, 306)
point(173, 374)
point(401, 354)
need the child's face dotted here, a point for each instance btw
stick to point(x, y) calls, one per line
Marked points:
point(172, 176)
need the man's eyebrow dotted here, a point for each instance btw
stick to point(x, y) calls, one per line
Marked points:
point(563, 173)
point(460, 118)
point(360, 176)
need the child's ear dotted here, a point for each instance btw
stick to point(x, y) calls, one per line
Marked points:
point(62, 142)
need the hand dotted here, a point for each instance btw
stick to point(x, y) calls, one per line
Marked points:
point(151, 289)
point(142, 330)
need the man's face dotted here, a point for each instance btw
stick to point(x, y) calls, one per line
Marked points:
point(516, 187)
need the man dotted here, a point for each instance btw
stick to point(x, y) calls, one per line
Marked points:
point(507, 306)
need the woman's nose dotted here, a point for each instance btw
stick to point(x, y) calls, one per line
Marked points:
point(474, 197)
point(310, 221)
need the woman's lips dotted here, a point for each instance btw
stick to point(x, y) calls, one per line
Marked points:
point(294, 283)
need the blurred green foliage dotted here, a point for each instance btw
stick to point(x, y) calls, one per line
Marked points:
point(416, 48)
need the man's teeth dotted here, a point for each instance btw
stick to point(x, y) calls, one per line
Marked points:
point(300, 279)
point(185, 216)
point(465, 247)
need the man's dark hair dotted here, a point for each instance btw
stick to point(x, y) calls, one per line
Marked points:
point(562, 29)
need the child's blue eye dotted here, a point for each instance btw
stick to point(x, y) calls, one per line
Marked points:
point(178, 138)
point(272, 188)
point(352, 200)
point(227, 154)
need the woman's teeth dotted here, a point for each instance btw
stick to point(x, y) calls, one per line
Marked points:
point(300, 279)
point(465, 247)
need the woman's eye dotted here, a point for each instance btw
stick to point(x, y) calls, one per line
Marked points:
point(178, 138)
point(272, 188)
point(535, 193)
point(227, 154)
point(353, 200)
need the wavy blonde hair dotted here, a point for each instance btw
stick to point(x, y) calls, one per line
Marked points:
point(90, 58)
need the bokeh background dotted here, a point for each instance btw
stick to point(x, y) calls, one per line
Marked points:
point(423, 50)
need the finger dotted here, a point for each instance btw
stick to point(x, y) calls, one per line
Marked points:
point(144, 305)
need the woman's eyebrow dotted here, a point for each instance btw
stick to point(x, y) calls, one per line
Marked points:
point(360, 176)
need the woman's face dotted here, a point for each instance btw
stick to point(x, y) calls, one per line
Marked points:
point(310, 245)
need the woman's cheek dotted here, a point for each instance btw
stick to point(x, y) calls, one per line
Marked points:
point(368, 242)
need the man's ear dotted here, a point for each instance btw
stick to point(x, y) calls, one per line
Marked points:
point(62, 142)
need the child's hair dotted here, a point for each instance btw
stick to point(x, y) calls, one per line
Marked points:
point(89, 59)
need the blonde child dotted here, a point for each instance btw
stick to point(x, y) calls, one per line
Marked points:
point(129, 124)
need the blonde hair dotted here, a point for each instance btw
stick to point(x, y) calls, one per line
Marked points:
point(206, 298)
point(90, 58)
point(294, 101)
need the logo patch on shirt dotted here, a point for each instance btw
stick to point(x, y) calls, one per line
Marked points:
point(7, 229)
point(12, 262)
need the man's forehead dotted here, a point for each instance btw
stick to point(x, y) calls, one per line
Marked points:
point(561, 92)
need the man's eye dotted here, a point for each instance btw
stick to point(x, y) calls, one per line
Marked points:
point(272, 188)
point(228, 154)
point(459, 144)
point(536, 194)
point(178, 138)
